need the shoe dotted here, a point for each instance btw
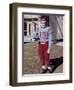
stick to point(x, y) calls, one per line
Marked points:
point(50, 69)
point(44, 70)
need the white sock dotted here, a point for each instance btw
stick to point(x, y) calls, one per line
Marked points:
point(43, 67)
point(49, 67)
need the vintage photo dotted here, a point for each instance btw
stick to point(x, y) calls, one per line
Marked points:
point(43, 43)
point(40, 44)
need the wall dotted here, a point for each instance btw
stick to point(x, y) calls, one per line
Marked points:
point(4, 46)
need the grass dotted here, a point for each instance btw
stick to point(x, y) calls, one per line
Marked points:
point(31, 63)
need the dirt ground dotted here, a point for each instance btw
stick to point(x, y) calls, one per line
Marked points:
point(31, 63)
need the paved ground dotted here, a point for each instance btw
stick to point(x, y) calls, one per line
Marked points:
point(31, 63)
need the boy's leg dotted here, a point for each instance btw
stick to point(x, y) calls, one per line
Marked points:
point(47, 58)
point(42, 58)
point(41, 54)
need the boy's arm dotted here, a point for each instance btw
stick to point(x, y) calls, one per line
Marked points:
point(49, 39)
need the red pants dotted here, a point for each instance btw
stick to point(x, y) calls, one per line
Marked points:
point(44, 56)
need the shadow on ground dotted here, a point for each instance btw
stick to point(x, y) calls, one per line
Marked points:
point(56, 62)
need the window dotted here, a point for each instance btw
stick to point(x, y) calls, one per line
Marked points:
point(25, 28)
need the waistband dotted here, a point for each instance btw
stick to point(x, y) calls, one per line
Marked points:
point(40, 42)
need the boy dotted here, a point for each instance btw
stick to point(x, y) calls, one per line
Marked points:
point(45, 35)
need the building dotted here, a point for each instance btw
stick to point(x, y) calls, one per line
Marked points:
point(31, 22)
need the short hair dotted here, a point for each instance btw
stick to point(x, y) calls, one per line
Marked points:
point(43, 18)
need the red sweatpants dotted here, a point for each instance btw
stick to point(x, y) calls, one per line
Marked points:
point(44, 56)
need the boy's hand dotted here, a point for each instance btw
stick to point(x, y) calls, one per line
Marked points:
point(48, 50)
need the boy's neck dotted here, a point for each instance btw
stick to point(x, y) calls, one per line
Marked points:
point(43, 27)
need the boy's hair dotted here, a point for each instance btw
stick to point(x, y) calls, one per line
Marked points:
point(45, 18)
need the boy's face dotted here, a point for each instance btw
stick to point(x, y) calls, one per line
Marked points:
point(43, 23)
